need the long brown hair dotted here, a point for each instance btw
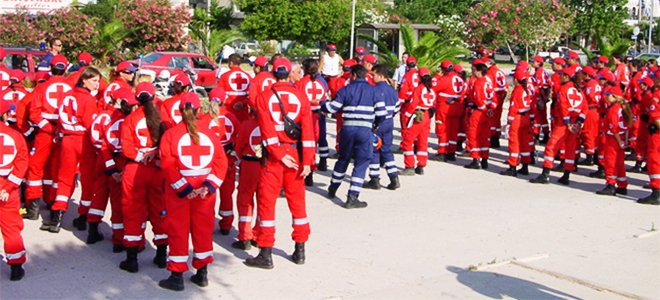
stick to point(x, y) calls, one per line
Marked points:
point(189, 116)
point(154, 124)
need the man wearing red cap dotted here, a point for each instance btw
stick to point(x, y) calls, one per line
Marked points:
point(573, 61)
point(368, 63)
point(500, 86)
point(482, 108)
point(45, 101)
point(262, 80)
point(449, 106)
point(290, 155)
point(12, 171)
point(409, 84)
point(235, 82)
point(542, 84)
point(617, 119)
point(519, 121)
point(360, 52)
point(169, 109)
point(331, 62)
point(4, 72)
point(592, 91)
point(571, 112)
point(643, 110)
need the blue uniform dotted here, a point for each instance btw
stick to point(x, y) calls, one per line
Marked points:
point(388, 95)
point(44, 64)
point(360, 109)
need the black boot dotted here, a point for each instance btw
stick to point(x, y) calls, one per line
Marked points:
point(600, 173)
point(323, 164)
point(17, 272)
point(495, 142)
point(353, 202)
point(440, 157)
point(459, 146)
point(201, 277)
point(264, 260)
point(451, 157)
point(631, 156)
point(332, 191)
point(621, 191)
point(419, 170)
point(484, 163)
point(473, 165)
point(565, 178)
point(394, 183)
point(131, 263)
point(93, 235)
point(559, 167)
point(298, 256)
point(589, 161)
point(511, 171)
point(524, 170)
point(80, 222)
point(653, 199)
point(607, 191)
point(407, 172)
point(373, 184)
point(56, 221)
point(160, 259)
point(117, 248)
point(242, 245)
point(544, 141)
point(32, 210)
point(637, 168)
point(224, 231)
point(174, 282)
point(46, 224)
point(309, 179)
point(543, 177)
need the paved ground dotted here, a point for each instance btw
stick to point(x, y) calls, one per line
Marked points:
point(449, 234)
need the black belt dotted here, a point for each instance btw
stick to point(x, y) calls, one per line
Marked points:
point(249, 158)
point(593, 106)
point(523, 113)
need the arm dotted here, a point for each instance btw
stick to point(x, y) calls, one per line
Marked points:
point(168, 163)
point(35, 112)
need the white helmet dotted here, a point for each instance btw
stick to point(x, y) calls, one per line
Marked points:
point(164, 75)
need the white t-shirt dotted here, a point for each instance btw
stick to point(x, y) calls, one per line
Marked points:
point(330, 65)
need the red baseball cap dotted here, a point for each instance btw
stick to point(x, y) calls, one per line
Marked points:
point(559, 61)
point(608, 76)
point(190, 98)
point(59, 61)
point(478, 61)
point(16, 75)
point(182, 78)
point(261, 61)
point(85, 58)
point(360, 50)
point(522, 65)
point(217, 94)
point(521, 75)
point(349, 63)
point(446, 64)
point(126, 66)
point(647, 81)
point(125, 94)
point(411, 59)
point(538, 59)
point(145, 87)
point(370, 58)
point(331, 47)
point(589, 71)
point(572, 54)
point(424, 72)
point(6, 106)
point(615, 90)
point(458, 68)
point(603, 59)
point(41, 76)
point(282, 63)
point(568, 71)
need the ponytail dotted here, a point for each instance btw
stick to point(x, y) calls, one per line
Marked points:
point(189, 116)
point(125, 108)
point(152, 115)
point(428, 83)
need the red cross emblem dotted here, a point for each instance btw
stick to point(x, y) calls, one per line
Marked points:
point(175, 113)
point(4, 80)
point(598, 95)
point(229, 130)
point(428, 97)
point(457, 84)
point(488, 90)
point(314, 90)
point(526, 99)
point(113, 134)
point(434, 81)
point(500, 79)
point(531, 88)
point(15, 96)
point(255, 139)
point(291, 104)
point(68, 110)
point(108, 91)
point(55, 93)
point(101, 121)
point(574, 97)
point(142, 132)
point(415, 79)
point(267, 83)
point(195, 156)
point(238, 81)
point(7, 150)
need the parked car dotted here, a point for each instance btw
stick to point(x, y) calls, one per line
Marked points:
point(554, 52)
point(648, 56)
point(24, 58)
point(246, 50)
point(202, 66)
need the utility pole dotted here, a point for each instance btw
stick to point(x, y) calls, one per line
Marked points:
point(352, 30)
point(651, 19)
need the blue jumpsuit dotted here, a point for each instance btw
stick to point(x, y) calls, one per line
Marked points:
point(385, 92)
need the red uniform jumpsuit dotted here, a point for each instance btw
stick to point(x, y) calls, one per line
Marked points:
point(592, 91)
point(106, 91)
point(142, 184)
point(235, 82)
point(248, 144)
point(169, 111)
point(101, 190)
point(44, 103)
point(541, 83)
point(622, 74)
point(227, 136)
point(261, 81)
point(468, 96)
point(554, 110)
point(274, 174)
point(571, 108)
point(478, 132)
point(18, 94)
point(13, 166)
point(188, 166)
point(449, 108)
point(316, 92)
point(615, 168)
point(4, 77)
point(641, 148)
point(653, 162)
point(406, 90)
point(520, 126)
point(113, 162)
point(417, 133)
point(500, 86)
point(635, 95)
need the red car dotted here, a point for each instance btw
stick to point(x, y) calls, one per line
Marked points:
point(24, 58)
point(200, 64)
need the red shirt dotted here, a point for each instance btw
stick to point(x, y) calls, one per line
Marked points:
point(77, 112)
point(236, 82)
point(572, 103)
point(483, 94)
point(45, 101)
point(169, 111)
point(248, 139)
point(315, 91)
point(450, 88)
point(259, 83)
point(136, 140)
point(408, 85)
point(521, 102)
point(14, 162)
point(111, 141)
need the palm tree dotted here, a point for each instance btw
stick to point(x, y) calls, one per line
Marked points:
point(110, 38)
point(607, 47)
point(205, 29)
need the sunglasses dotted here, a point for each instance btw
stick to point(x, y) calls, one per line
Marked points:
point(58, 45)
point(128, 72)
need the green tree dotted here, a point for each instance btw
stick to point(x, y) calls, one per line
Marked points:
point(211, 28)
point(428, 11)
point(603, 17)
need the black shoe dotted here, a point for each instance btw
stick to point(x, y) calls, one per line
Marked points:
point(353, 202)
point(309, 180)
point(394, 183)
point(542, 178)
point(56, 221)
point(80, 222)
point(332, 191)
point(131, 263)
point(407, 172)
point(609, 190)
point(511, 171)
point(646, 186)
point(440, 157)
point(264, 260)
point(544, 141)
point(559, 167)
point(473, 165)
point(637, 168)
point(565, 179)
point(323, 164)
point(451, 157)
point(589, 161)
point(224, 231)
point(116, 248)
point(495, 142)
point(174, 282)
point(93, 234)
point(598, 174)
point(160, 259)
point(242, 245)
point(459, 146)
point(298, 256)
point(524, 170)
point(622, 191)
point(373, 184)
point(653, 199)
point(419, 170)
point(201, 277)
point(32, 210)
point(17, 272)
point(484, 163)
point(631, 156)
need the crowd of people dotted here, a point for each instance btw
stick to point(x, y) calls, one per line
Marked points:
point(165, 161)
